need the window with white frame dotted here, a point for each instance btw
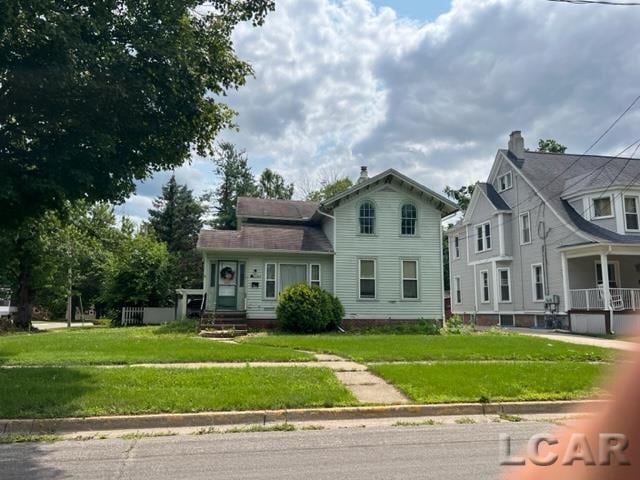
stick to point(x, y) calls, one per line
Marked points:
point(602, 207)
point(505, 284)
point(409, 279)
point(409, 214)
point(484, 286)
point(456, 246)
point(270, 280)
point(631, 221)
point(525, 228)
point(457, 290)
point(505, 182)
point(367, 217)
point(483, 237)
point(367, 279)
point(537, 281)
point(314, 279)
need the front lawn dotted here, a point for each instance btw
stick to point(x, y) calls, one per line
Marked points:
point(87, 391)
point(445, 382)
point(485, 346)
point(95, 346)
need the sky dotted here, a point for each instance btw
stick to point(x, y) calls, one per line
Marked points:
point(430, 88)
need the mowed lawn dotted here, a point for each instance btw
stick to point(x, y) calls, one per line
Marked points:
point(87, 391)
point(446, 382)
point(483, 346)
point(96, 346)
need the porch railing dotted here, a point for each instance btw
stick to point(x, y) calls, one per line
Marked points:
point(593, 299)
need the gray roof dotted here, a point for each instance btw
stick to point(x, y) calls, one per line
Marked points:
point(494, 197)
point(249, 207)
point(266, 237)
point(553, 174)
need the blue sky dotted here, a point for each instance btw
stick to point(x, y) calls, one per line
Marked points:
point(344, 83)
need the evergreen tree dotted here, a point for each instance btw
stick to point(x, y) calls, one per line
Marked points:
point(550, 146)
point(272, 185)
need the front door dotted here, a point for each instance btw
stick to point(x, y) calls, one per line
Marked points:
point(227, 297)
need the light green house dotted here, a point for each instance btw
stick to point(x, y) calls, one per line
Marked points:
point(377, 246)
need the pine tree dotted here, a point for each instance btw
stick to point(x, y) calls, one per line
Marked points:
point(272, 185)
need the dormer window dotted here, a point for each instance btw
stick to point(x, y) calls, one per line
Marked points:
point(602, 208)
point(631, 220)
point(367, 215)
point(505, 182)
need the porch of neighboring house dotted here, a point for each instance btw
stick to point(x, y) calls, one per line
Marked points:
point(603, 300)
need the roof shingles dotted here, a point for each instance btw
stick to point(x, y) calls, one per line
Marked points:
point(249, 207)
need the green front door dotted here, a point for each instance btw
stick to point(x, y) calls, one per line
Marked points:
point(227, 285)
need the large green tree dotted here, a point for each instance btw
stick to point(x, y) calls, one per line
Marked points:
point(330, 188)
point(550, 146)
point(272, 185)
point(462, 195)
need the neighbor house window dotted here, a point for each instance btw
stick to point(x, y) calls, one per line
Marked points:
point(367, 286)
point(484, 280)
point(270, 280)
point(483, 237)
point(631, 213)
point(409, 279)
point(525, 228)
point(457, 290)
point(214, 273)
point(537, 280)
point(505, 284)
point(456, 246)
point(602, 207)
point(315, 275)
point(505, 182)
point(409, 218)
point(367, 218)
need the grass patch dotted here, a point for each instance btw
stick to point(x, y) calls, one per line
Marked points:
point(88, 391)
point(464, 421)
point(468, 382)
point(416, 424)
point(96, 346)
point(510, 418)
point(383, 348)
point(279, 427)
point(29, 438)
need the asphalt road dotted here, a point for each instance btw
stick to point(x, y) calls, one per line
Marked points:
point(439, 452)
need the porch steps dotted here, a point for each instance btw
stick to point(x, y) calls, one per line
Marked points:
point(223, 324)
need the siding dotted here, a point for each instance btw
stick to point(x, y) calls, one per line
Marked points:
point(388, 247)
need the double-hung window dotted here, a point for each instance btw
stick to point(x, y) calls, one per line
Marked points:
point(367, 279)
point(505, 182)
point(484, 287)
point(504, 277)
point(409, 214)
point(457, 287)
point(456, 247)
point(483, 237)
point(314, 279)
point(525, 228)
point(270, 281)
point(631, 213)
point(367, 217)
point(537, 281)
point(409, 279)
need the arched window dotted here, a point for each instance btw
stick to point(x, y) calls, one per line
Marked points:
point(409, 217)
point(367, 218)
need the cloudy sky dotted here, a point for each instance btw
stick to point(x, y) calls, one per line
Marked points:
point(431, 88)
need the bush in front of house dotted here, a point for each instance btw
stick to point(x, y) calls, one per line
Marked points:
point(306, 309)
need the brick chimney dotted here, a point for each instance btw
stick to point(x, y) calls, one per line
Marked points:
point(516, 143)
point(364, 174)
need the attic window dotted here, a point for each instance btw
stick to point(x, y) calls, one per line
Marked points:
point(602, 207)
point(505, 182)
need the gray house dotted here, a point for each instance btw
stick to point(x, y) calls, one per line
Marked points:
point(376, 246)
point(536, 235)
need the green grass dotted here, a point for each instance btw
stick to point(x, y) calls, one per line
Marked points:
point(384, 348)
point(29, 438)
point(95, 346)
point(447, 382)
point(88, 391)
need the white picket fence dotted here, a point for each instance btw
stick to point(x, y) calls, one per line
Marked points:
point(147, 315)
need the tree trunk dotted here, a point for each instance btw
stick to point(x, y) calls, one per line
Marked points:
point(23, 316)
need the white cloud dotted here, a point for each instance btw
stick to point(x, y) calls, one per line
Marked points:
point(343, 84)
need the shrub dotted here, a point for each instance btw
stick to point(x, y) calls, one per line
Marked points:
point(305, 309)
point(455, 326)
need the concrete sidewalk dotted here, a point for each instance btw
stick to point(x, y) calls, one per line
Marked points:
point(59, 325)
point(578, 339)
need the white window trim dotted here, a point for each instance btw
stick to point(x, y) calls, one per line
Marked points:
point(375, 278)
point(415, 230)
point(592, 207)
point(417, 279)
point(508, 175)
point(528, 215)
point(484, 237)
point(624, 212)
point(375, 220)
point(274, 279)
point(456, 247)
point(482, 300)
point(533, 282)
point(499, 286)
point(319, 281)
point(457, 288)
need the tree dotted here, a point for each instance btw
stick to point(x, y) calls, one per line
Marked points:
point(330, 189)
point(550, 146)
point(462, 195)
point(236, 180)
point(272, 185)
point(176, 217)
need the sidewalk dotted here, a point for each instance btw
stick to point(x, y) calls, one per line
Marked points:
point(579, 339)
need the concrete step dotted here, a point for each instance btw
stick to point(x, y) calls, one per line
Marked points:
point(223, 333)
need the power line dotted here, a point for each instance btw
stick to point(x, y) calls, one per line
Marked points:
point(598, 2)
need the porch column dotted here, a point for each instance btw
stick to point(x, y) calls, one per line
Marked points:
point(183, 304)
point(565, 282)
point(604, 266)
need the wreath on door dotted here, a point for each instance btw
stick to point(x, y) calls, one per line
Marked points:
point(227, 273)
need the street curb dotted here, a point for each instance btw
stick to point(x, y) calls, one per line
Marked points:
point(206, 419)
